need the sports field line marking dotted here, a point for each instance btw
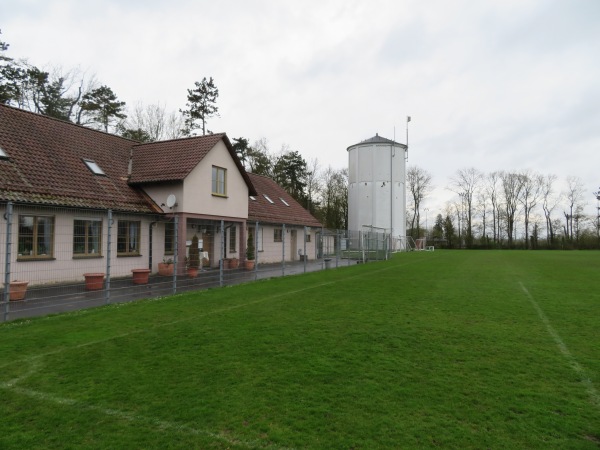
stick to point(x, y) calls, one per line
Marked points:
point(144, 330)
point(209, 313)
point(591, 390)
point(157, 423)
point(35, 365)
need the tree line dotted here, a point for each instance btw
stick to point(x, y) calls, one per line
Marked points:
point(78, 97)
point(505, 209)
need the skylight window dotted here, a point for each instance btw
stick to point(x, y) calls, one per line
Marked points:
point(284, 202)
point(94, 167)
point(3, 154)
point(253, 198)
point(268, 199)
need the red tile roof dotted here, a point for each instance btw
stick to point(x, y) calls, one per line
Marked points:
point(277, 212)
point(45, 164)
point(173, 160)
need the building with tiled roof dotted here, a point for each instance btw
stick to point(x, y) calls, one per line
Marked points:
point(272, 207)
point(70, 191)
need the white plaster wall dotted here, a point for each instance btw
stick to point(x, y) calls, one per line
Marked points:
point(197, 195)
point(63, 267)
point(272, 251)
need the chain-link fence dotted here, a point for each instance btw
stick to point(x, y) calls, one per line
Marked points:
point(62, 259)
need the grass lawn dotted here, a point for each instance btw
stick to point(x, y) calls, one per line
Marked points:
point(447, 349)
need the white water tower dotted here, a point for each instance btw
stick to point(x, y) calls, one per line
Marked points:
point(377, 186)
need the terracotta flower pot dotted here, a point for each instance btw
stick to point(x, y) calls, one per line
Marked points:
point(234, 263)
point(140, 276)
point(249, 264)
point(192, 272)
point(94, 281)
point(165, 269)
point(17, 290)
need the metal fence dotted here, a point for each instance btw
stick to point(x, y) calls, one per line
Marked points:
point(63, 259)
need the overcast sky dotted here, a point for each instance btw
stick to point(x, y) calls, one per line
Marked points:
point(496, 84)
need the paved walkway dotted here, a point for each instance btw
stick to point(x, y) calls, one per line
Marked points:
point(52, 299)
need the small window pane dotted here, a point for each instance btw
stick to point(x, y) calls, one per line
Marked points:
point(94, 167)
point(219, 176)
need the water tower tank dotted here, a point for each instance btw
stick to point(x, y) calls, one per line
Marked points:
point(376, 186)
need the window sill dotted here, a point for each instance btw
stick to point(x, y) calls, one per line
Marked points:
point(220, 195)
point(35, 258)
point(95, 256)
point(128, 255)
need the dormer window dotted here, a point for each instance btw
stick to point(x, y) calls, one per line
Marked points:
point(94, 167)
point(284, 202)
point(3, 154)
point(268, 199)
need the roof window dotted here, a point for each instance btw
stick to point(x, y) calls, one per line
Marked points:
point(253, 198)
point(3, 154)
point(268, 199)
point(284, 202)
point(94, 167)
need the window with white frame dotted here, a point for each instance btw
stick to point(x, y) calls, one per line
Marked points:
point(87, 237)
point(36, 237)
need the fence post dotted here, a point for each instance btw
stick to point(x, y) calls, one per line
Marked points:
point(283, 250)
point(256, 251)
point(222, 254)
point(175, 253)
point(108, 256)
point(338, 250)
point(8, 256)
point(304, 251)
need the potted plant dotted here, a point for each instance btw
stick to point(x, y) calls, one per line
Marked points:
point(193, 260)
point(140, 276)
point(249, 253)
point(234, 263)
point(165, 268)
point(94, 281)
point(17, 290)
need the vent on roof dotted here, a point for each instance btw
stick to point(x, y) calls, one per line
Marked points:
point(284, 202)
point(253, 198)
point(3, 154)
point(268, 199)
point(95, 168)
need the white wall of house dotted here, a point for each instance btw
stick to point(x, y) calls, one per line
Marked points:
point(197, 189)
point(61, 265)
point(160, 192)
point(269, 250)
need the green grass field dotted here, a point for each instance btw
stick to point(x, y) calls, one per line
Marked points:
point(455, 349)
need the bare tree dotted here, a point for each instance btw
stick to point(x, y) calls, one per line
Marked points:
point(154, 120)
point(512, 183)
point(464, 183)
point(492, 190)
point(313, 184)
point(549, 202)
point(334, 198)
point(419, 184)
point(531, 192)
point(574, 197)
